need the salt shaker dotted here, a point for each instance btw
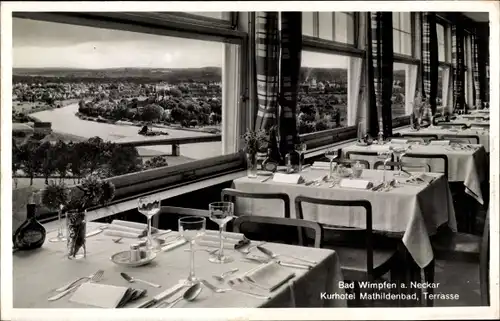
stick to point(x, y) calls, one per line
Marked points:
point(143, 249)
point(134, 253)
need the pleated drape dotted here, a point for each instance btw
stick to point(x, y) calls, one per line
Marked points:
point(458, 63)
point(430, 59)
point(380, 71)
point(475, 72)
point(291, 54)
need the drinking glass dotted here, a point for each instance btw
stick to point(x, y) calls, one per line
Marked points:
point(300, 148)
point(149, 206)
point(386, 156)
point(331, 154)
point(60, 235)
point(398, 153)
point(221, 213)
point(191, 228)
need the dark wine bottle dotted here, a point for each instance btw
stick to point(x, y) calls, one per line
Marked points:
point(31, 234)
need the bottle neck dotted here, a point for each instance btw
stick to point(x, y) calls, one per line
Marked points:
point(31, 211)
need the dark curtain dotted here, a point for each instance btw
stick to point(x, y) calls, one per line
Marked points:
point(266, 69)
point(291, 48)
point(458, 62)
point(380, 71)
point(482, 43)
point(475, 73)
point(430, 59)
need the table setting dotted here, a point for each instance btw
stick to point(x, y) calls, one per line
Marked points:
point(481, 132)
point(191, 267)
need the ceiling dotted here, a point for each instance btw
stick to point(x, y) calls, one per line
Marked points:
point(477, 16)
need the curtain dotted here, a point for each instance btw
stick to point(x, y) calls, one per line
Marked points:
point(430, 59)
point(457, 59)
point(380, 70)
point(475, 72)
point(266, 69)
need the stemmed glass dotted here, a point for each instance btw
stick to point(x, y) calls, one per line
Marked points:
point(386, 156)
point(221, 213)
point(331, 154)
point(300, 148)
point(149, 206)
point(191, 228)
point(60, 236)
point(398, 153)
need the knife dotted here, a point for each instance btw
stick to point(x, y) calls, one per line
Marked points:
point(89, 234)
point(162, 296)
point(295, 265)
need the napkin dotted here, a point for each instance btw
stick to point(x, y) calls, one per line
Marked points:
point(173, 245)
point(356, 183)
point(118, 233)
point(133, 225)
point(422, 178)
point(399, 141)
point(215, 238)
point(127, 229)
point(439, 142)
point(105, 296)
point(321, 165)
point(270, 276)
point(226, 235)
point(215, 244)
point(288, 178)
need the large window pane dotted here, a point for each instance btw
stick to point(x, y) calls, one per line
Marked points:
point(439, 100)
point(308, 24)
point(344, 27)
point(326, 25)
point(322, 101)
point(401, 23)
point(91, 82)
point(441, 42)
point(213, 14)
point(399, 90)
point(405, 22)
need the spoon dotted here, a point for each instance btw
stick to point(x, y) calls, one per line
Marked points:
point(189, 295)
point(132, 280)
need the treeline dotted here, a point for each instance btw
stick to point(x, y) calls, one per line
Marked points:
point(35, 157)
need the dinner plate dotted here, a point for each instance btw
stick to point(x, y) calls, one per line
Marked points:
point(123, 258)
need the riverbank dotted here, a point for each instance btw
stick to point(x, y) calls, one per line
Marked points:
point(29, 108)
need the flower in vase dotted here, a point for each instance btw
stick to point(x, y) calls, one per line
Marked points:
point(254, 141)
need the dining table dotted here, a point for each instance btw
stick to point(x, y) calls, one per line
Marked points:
point(482, 133)
point(467, 163)
point(413, 210)
point(38, 273)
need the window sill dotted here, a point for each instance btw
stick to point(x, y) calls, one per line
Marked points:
point(163, 195)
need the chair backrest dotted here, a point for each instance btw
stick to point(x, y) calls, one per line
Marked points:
point(344, 203)
point(391, 165)
point(431, 156)
point(230, 194)
point(425, 137)
point(299, 223)
point(461, 125)
point(484, 261)
point(468, 139)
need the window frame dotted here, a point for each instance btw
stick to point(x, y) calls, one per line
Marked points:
point(176, 24)
point(411, 33)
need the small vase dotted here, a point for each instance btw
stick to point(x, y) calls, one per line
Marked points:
point(252, 165)
point(76, 230)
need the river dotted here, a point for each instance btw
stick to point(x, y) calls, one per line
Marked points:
point(65, 121)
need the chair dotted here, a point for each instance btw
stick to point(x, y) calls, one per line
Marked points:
point(358, 264)
point(467, 248)
point(462, 139)
point(461, 125)
point(425, 167)
point(229, 194)
point(425, 137)
point(431, 156)
point(318, 229)
point(362, 153)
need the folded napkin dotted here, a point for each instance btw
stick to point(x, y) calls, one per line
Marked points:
point(422, 177)
point(321, 165)
point(215, 244)
point(399, 141)
point(173, 245)
point(270, 276)
point(439, 142)
point(226, 235)
point(133, 225)
point(127, 229)
point(105, 296)
point(288, 178)
point(215, 238)
point(356, 183)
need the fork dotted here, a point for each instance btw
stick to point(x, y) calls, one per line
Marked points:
point(95, 278)
point(250, 248)
point(232, 284)
point(213, 288)
point(69, 285)
point(221, 277)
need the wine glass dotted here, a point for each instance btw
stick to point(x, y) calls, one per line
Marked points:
point(386, 156)
point(331, 154)
point(221, 213)
point(398, 153)
point(300, 148)
point(191, 228)
point(60, 236)
point(149, 206)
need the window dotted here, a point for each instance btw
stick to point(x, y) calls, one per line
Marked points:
point(322, 99)
point(399, 84)
point(212, 14)
point(440, 88)
point(122, 87)
point(401, 24)
point(441, 42)
point(333, 26)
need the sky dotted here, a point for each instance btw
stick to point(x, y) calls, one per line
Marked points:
point(39, 44)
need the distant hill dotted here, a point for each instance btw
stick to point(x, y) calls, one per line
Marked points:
point(172, 75)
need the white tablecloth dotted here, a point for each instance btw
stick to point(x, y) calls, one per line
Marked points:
point(468, 166)
point(483, 135)
point(38, 273)
point(414, 211)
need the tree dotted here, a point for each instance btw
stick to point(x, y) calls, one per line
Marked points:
point(16, 161)
point(152, 113)
point(175, 92)
point(178, 115)
point(123, 160)
point(157, 161)
point(46, 153)
point(30, 160)
point(62, 157)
